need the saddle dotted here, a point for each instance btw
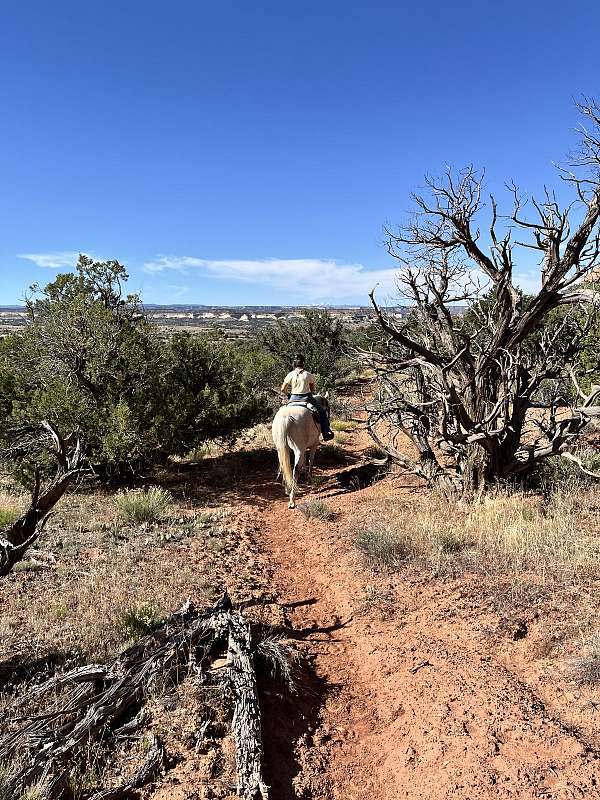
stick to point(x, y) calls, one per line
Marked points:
point(311, 407)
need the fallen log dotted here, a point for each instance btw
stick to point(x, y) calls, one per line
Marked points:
point(152, 765)
point(95, 701)
point(246, 713)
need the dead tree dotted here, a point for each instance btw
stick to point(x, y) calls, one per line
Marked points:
point(21, 534)
point(487, 394)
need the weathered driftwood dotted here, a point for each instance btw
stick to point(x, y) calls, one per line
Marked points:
point(17, 538)
point(246, 712)
point(153, 763)
point(95, 699)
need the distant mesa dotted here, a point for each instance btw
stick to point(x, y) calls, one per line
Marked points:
point(234, 321)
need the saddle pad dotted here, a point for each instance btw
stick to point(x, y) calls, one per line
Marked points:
point(311, 407)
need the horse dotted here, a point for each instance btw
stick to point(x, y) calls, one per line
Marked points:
point(294, 432)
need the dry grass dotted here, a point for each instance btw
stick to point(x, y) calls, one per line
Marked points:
point(344, 426)
point(109, 604)
point(586, 670)
point(102, 583)
point(106, 582)
point(382, 547)
point(144, 505)
point(317, 509)
point(516, 536)
point(11, 506)
point(373, 451)
point(280, 658)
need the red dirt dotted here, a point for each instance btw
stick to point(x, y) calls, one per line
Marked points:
point(413, 686)
point(418, 702)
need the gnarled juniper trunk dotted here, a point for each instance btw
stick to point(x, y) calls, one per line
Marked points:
point(492, 457)
point(487, 393)
point(18, 537)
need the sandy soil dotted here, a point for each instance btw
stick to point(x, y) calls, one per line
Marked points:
point(411, 686)
point(426, 694)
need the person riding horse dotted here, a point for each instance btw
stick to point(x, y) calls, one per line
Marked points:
point(300, 385)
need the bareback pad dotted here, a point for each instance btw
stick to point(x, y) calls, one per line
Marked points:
point(311, 407)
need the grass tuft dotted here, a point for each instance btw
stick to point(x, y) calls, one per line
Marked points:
point(198, 454)
point(280, 658)
point(144, 505)
point(447, 540)
point(8, 516)
point(382, 548)
point(343, 425)
point(375, 452)
point(519, 541)
point(134, 622)
point(27, 566)
point(317, 509)
point(333, 452)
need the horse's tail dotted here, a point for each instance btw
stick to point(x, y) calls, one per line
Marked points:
point(280, 425)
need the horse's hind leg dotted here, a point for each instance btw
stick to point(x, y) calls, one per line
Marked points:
point(297, 462)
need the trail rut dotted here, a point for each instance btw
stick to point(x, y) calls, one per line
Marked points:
point(415, 701)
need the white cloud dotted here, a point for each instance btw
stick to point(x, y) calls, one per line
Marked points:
point(312, 279)
point(64, 258)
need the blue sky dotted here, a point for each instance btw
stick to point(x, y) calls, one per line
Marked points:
point(239, 152)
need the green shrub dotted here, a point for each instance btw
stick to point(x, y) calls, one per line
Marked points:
point(144, 505)
point(134, 622)
point(559, 473)
point(90, 362)
point(318, 335)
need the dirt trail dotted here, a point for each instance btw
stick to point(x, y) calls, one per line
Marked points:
point(417, 704)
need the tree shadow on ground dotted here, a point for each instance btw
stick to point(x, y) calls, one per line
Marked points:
point(242, 476)
point(21, 670)
point(290, 719)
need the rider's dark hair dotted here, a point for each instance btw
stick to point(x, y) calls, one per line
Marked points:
point(299, 360)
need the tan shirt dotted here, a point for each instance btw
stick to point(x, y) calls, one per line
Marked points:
point(299, 381)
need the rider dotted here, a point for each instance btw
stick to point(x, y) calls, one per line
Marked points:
point(301, 384)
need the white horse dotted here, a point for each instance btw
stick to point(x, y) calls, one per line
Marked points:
point(294, 433)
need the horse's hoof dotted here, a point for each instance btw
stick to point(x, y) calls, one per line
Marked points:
point(291, 505)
